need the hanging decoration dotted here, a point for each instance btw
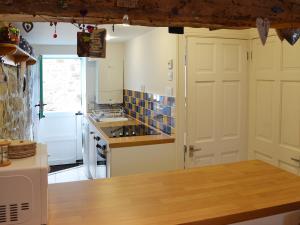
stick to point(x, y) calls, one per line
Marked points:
point(290, 35)
point(263, 26)
point(92, 44)
point(279, 34)
point(90, 28)
point(27, 26)
point(55, 25)
point(113, 28)
point(83, 14)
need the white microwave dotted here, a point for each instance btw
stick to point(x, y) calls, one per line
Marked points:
point(24, 190)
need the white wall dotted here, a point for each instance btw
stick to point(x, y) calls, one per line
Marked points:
point(55, 49)
point(146, 61)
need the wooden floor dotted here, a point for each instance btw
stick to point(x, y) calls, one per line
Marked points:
point(213, 195)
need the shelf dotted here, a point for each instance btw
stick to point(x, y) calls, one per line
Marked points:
point(15, 54)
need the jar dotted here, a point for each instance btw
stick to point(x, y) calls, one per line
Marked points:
point(4, 161)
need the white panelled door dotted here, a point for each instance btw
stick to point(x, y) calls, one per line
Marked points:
point(263, 113)
point(275, 104)
point(216, 101)
point(61, 90)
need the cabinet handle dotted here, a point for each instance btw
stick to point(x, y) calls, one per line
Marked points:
point(296, 160)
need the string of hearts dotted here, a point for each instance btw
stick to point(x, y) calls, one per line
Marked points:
point(291, 35)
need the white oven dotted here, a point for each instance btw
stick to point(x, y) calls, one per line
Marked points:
point(24, 190)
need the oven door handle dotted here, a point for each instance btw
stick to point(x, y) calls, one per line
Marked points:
point(102, 153)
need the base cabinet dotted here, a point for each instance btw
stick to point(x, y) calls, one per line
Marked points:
point(142, 159)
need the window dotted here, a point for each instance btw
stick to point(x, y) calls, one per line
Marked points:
point(61, 83)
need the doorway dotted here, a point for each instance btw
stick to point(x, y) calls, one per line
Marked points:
point(61, 100)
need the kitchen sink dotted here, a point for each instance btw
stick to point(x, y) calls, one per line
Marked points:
point(109, 116)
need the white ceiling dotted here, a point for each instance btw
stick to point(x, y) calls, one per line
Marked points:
point(42, 33)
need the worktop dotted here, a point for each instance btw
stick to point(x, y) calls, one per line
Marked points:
point(214, 195)
point(131, 141)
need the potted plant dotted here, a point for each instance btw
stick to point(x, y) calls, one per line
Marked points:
point(10, 35)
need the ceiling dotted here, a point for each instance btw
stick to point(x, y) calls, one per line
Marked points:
point(162, 13)
point(42, 33)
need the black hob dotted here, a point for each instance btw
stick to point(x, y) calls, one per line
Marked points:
point(128, 131)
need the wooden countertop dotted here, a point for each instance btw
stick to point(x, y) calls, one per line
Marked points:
point(131, 141)
point(215, 195)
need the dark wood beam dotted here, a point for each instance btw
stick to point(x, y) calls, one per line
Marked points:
point(188, 13)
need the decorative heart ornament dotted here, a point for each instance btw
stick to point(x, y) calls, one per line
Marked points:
point(263, 26)
point(27, 26)
point(291, 35)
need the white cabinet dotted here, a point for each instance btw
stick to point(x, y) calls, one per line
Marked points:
point(142, 159)
point(109, 84)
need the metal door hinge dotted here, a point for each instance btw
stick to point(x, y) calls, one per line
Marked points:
point(185, 149)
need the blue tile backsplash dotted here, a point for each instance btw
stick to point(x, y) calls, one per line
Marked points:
point(155, 110)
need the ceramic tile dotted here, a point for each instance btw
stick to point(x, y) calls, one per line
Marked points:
point(153, 109)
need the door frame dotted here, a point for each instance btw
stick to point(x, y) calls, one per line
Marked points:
point(83, 95)
point(181, 90)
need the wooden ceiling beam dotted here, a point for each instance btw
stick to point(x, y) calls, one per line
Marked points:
point(187, 13)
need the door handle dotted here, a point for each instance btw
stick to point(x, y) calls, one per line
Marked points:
point(192, 149)
point(78, 113)
point(38, 105)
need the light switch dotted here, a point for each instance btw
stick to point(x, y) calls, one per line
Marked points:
point(170, 64)
point(170, 75)
point(169, 91)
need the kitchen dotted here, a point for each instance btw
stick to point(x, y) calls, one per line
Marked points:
point(159, 103)
point(102, 91)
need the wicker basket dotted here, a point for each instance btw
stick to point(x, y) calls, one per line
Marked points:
point(19, 149)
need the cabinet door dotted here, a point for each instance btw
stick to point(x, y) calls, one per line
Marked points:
point(110, 75)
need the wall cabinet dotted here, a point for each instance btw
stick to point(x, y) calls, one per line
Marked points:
point(109, 82)
point(274, 117)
